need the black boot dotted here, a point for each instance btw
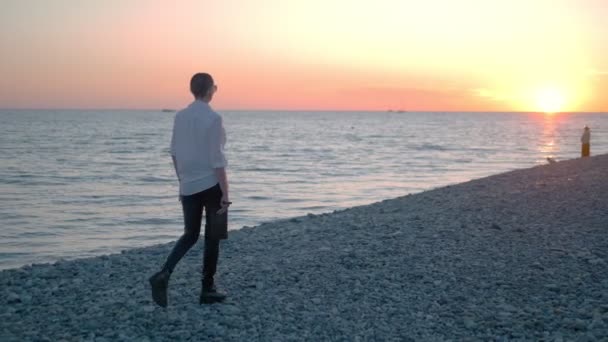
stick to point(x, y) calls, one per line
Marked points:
point(159, 283)
point(210, 293)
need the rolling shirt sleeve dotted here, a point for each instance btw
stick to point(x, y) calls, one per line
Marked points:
point(217, 140)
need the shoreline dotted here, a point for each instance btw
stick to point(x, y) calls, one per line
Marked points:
point(518, 255)
point(112, 192)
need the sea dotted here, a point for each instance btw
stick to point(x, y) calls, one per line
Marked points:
point(81, 183)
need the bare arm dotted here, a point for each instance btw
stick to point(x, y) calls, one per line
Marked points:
point(218, 161)
point(176, 173)
point(175, 167)
point(220, 173)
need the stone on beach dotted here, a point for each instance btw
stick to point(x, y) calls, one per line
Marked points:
point(516, 256)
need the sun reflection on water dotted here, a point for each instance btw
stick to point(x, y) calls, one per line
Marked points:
point(547, 145)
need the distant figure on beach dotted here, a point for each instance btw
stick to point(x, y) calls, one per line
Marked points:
point(197, 150)
point(586, 141)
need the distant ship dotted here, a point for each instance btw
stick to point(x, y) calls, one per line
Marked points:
point(164, 110)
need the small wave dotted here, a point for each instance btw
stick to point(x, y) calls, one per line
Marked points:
point(123, 138)
point(260, 148)
point(37, 234)
point(146, 134)
point(29, 182)
point(10, 255)
point(480, 149)
point(12, 216)
point(463, 160)
point(291, 200)
point(239, 210)
point(313, 207)
point(299, 181)
point(152, 237)
point(352, 137)
point(152, 179)
point(261, 169)
point(260, 198)
point(432, 147)
point(151, 221)
point(79, 220)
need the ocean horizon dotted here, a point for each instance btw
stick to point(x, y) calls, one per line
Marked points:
point(170, 110)
point(78, 183)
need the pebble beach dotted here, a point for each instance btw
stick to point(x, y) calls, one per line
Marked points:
point(517, 256)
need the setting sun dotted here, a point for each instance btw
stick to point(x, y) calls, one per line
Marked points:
point(550, 100)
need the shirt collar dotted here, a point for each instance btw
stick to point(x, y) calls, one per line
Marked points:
point(200, 103)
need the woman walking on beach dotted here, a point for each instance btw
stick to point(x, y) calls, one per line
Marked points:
point(197, 150)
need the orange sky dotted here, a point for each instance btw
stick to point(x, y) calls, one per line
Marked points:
point(482, 55)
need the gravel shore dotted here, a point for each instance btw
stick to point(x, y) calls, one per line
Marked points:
point(517, 256)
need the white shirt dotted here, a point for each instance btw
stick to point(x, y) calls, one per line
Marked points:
point(197, 143)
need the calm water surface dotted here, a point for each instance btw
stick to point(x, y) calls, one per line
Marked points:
point(82, 183)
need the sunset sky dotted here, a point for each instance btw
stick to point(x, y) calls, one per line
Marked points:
point(465, 55)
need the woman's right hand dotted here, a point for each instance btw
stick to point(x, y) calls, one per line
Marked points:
point(224, 204)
